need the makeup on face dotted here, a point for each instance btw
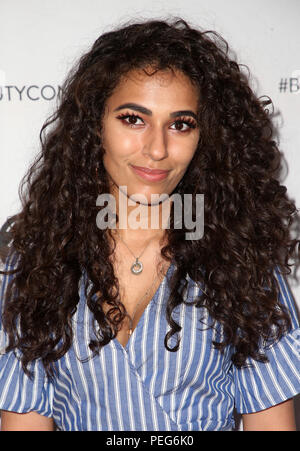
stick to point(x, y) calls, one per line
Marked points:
point(150, 132)
point(152, 175)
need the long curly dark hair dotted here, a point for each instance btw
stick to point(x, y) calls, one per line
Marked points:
point(248, 216)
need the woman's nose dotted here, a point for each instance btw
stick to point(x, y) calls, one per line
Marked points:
point(156, 145)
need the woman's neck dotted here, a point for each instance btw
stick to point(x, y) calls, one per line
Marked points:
point(138, 221)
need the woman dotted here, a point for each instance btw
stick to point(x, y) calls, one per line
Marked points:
point(114, 324)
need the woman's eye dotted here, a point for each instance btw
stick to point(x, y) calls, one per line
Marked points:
point(183, 125)
point(131, 119)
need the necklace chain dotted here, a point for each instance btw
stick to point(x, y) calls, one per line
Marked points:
point(131, 318)
point(137, 258)
point(137, 267)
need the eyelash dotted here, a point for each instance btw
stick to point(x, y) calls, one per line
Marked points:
point(184, 120)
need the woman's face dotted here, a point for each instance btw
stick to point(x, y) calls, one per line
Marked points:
point(150, 132)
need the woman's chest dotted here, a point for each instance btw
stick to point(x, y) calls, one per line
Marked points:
point(118, 388)
point(144, 385)
point(160, 360)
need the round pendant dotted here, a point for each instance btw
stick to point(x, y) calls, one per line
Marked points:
point(137, 267)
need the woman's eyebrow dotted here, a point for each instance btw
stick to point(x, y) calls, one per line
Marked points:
point(184, 113)
point(136, 107)
point(142, 109)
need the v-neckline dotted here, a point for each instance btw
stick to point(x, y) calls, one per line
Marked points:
point(141, 319)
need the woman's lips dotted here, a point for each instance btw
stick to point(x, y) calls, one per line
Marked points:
point(153, 175)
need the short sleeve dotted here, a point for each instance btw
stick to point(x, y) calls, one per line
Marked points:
point(18, 392)
point(263, 385)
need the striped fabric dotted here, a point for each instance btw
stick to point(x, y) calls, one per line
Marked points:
point(143, 386)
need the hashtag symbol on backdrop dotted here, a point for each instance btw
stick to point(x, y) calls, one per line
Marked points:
point(283, 85)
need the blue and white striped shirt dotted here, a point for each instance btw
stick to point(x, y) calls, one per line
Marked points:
point(143, 386)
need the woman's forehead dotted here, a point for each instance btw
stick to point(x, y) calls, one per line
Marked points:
point(157, 85)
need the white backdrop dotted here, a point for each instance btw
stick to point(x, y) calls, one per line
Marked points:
point(40, 40)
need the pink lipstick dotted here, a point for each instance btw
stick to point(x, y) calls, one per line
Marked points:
point(152, 175)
